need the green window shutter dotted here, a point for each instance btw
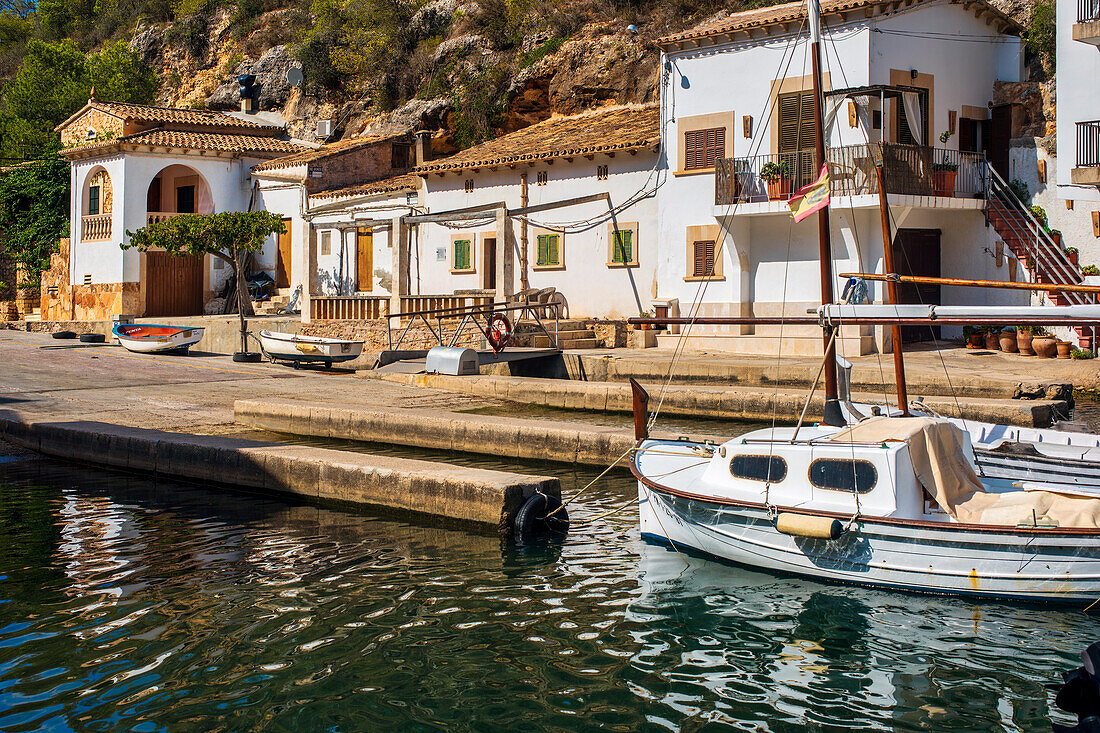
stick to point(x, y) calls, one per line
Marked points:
point(547, 255)
point(624, 247)
point(462, 254)
point(93, 200)
point(554, 258)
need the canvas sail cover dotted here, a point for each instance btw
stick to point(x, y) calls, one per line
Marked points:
point(938, 450)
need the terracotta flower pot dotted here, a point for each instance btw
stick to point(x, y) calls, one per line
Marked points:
point(779, 189)
point(993, 340)
point(1073, 257)
point(975, 341)
point(944, 182)
point(1065, 350)
point(1008, 342)
point(1023, 343)
point(1045, 347)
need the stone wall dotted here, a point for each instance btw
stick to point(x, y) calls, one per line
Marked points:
point(105, 125)
point(62, 301)
point(373, 332)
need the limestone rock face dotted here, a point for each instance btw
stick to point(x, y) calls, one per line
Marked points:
point(270, 72)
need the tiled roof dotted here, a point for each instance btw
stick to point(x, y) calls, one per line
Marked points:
point(216, 142)
point(607, 130)
point(388, 185)
point(313, 155)
point(171, 115)
point(796, 11)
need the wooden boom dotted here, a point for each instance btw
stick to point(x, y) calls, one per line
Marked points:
point(918, 280)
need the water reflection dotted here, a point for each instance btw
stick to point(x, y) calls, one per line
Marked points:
point(132, 605)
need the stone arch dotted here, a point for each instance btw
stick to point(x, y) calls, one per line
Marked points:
point(177, 189)
point(98, 195)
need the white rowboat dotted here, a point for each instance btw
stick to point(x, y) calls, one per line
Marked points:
point(151, 338)
point(308, 349)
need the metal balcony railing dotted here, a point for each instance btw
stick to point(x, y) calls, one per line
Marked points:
point(916, 170)
point(1088, 144)
point(1088, 11)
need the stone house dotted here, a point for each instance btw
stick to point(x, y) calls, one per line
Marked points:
point(132, 165)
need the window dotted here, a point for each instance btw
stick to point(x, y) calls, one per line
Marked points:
point(540, 178)
point(93, 200)
point(841, 474)
point(796, 121)
point(601, 173)
point(704, 148)
point(326, 244)
point(703, 265)
point(185, 199)
point(622, 251)
point(399, 156)
point(549, 250)
point(460, 256)
point(469, 185)
point(772, 469)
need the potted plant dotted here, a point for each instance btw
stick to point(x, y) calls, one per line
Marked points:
point(1023, 340)
point(975, 336)
point(1056, 235)
point(778, 176)
point(1071, 253)
point(993, 338)
point(1008, 340)
point(1081, 354)
point(644, 326)
point(945, 172)
point(1043, 344)
point(1090, 270)
point(1065, 350)
point(1040, 215)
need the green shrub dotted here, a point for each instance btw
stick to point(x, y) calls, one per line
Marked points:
point(1020, 190)
point(1081, 354)
point(1042, 33)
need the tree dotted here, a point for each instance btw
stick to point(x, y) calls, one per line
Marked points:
point(34, 214)
point(229, 235)
point(56, 79)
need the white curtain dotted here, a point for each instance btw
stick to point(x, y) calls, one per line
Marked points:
point(832, 107)
point(911, 102)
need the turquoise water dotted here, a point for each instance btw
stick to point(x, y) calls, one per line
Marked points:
point(128, 604)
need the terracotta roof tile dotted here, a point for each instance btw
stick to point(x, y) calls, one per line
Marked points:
point(217, 142)
point(172, 115)
point(796, 11)
point(388, 185)
point(605, 130)
point(315, 154)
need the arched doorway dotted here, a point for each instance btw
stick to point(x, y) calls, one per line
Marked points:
point(174, 285)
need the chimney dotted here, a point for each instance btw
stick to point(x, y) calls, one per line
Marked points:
point(423, 146)
point(247, 92)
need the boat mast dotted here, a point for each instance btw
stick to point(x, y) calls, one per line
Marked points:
point(833, 414)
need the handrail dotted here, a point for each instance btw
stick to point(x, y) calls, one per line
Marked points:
point(469, 314)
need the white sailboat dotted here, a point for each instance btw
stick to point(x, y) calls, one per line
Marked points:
point(892, 501)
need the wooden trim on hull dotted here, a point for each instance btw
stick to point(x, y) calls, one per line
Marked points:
point(864, 519)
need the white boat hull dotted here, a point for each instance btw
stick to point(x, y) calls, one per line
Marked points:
point(174, 343)
point(308, 349)
point(1001, 564)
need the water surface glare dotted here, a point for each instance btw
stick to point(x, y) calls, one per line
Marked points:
point(133, 605)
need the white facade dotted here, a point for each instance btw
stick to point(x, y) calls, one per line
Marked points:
point(766, 265)
point(1078, 59)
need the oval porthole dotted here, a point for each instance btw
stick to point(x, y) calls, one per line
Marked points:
point(772, 469)
point(840, 474)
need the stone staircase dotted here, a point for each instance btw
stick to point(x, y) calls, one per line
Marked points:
point(278, 302)
point(1038, 254)
point(572, 334)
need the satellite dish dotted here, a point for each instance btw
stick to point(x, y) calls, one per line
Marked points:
point(294, 76)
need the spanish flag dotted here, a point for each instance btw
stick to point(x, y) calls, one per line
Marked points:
point(811, 197)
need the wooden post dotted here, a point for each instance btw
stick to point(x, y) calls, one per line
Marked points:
point(892, 292)
point(523, 202)
point(641, 410)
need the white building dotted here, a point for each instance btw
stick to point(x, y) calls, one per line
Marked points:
point(736, 95)
point(133, 165)
point(1078, 58)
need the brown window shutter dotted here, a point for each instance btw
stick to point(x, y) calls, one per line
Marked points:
point(966, 134)
point(796, 121)
point(709, 256)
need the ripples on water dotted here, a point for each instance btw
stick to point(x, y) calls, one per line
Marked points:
point(128, 604)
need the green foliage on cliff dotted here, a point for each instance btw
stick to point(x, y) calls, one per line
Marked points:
point(34, 214)
point(1042, 33)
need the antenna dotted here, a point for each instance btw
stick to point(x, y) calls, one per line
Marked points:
point(294, 77)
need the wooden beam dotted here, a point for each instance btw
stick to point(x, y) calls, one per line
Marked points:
point(561, 204)
point(469, 212)
point(1000, 284)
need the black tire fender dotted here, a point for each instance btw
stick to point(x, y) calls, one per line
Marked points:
point(534, 518)
point(63, 335)
point(92, 338)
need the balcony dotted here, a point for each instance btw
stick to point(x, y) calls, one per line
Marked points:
point(95, 228)
point(1087, 27)
point(926, 176)
point(1086, 170)
point(154, 217)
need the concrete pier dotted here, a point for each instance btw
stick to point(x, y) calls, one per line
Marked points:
point(491, 435)
point(736, 402)
point(484, 498)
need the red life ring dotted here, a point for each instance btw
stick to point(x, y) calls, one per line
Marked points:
point(499, 332)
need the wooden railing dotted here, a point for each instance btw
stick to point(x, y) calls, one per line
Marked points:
point(95, 228)
point(916, 170)
point(154, 217)
point(348, 308)
point(418, 303)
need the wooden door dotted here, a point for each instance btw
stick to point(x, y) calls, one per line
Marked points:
point(364, 260)
point(489, 263)
point(917, 252)
point(282, 268)
point(173, 285)
point(1000, 134)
